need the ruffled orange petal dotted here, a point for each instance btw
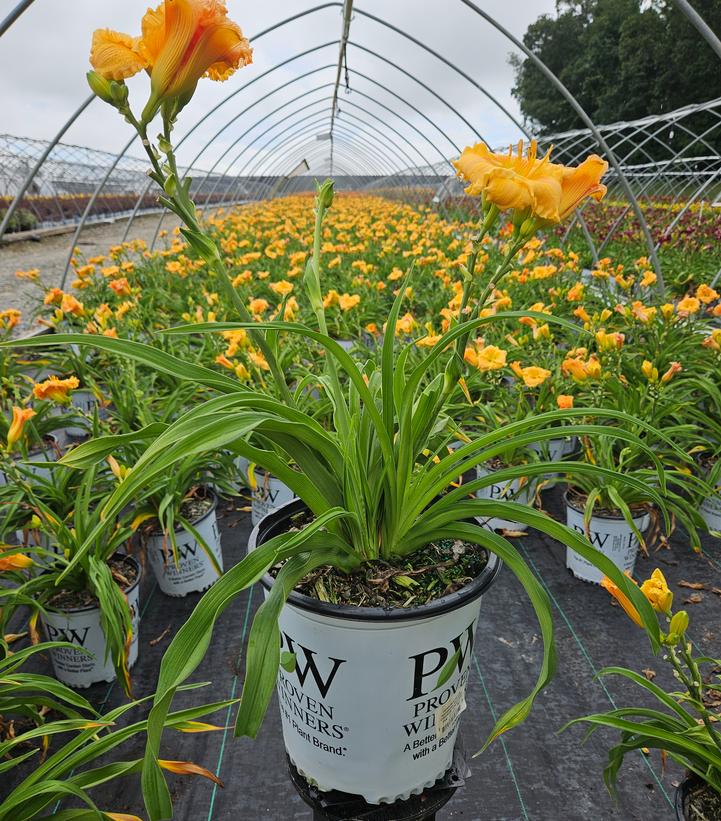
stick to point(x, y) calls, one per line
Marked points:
point(506, 189)
point(181, 21)
point(474, 165)
point(582, 182)
point(547, 193)
point(115, 56)
point(220, 50)
point(153, 39)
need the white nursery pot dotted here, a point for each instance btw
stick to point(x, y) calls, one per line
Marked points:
point(710, 511)
point(550, 450)
point(81, 626)
point(194, 571)
point(360, 712)
point(269, 494)
point(504, 489)
point(611, 535)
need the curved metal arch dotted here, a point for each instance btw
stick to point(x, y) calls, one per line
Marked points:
point(361, 136)
point(701, 25)
point(352, 137)
point(268, 30)
point(236, 141)
point(351, 153)
point(385, 88)
point(356, 73)
point(302, 150)
point(287, 145)
point(422, 85)
point(17, 199)
point(580, 111)
point(398, 150)
point(447, 62)
point(386, 126)
point(14, 15)
point(676, 154)
point(234, 118)
point(371, 114)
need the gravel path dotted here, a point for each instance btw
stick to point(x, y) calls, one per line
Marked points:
point(49, 254)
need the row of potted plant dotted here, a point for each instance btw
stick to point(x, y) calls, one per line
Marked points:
point(402, 451)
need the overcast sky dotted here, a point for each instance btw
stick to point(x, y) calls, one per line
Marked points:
point(43, 59)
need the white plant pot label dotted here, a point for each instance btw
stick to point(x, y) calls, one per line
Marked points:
point(269, 494)
point(710, 511)
point(361, 712)
point(82, 628)
point(194, 571)
point(505, 489)
point(611, 536)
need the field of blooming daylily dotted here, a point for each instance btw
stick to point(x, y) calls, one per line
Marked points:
point(600, 337)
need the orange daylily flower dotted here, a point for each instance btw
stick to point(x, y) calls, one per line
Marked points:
point(120, 286)
point(348, 301)
point(257, 306)
point(55, 389)
point(70, 305)
point(706, 294)
point(649, 278)
point(281, 288)
point(181, 41)
point(532, 376)
point(491, 358)
point(550, 192)
point(622, 599)
point(15, 561)
point(657, 592)
point(564, 401)
point(20, 418)
point(689, 305)
point(675, 367)
point(576, 293)
point(609, 341)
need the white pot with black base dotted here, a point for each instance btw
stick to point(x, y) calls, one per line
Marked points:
point(361, 712)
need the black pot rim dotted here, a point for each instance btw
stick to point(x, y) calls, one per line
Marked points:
point(445, 604)
point(88, 607)
point(179, 528)
point(569, 503)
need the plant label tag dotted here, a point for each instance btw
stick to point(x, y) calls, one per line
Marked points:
point(447, 714)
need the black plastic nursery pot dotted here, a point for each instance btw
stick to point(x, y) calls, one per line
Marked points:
point(361, 712)
point(81, 626)
point(194, 571)
point(696, 801)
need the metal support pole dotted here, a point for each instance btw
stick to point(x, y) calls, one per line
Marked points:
point(701, 25)
point(347, 12)
point(14, 14)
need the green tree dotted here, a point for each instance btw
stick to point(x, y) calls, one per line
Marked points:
point(621, 59)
